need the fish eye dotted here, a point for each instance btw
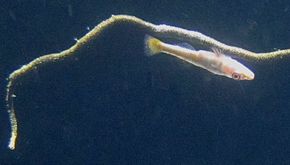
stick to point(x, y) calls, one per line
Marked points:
point(236, 76)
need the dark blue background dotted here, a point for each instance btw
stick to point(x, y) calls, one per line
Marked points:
point(113, 105)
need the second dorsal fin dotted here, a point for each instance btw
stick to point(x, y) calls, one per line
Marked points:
point(186, 45)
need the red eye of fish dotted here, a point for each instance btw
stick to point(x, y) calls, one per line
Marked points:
point(236, 76)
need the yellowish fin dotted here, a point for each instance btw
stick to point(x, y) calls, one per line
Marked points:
point(152, 45)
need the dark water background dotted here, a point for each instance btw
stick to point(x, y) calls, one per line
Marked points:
point(113, 105)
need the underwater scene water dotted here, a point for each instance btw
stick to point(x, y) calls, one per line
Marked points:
point(111, 104)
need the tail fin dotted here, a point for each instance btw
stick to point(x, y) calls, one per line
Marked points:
point(152, 45)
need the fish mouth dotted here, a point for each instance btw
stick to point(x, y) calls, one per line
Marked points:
point(249, 77)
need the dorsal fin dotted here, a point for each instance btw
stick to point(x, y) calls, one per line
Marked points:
point(217, 51)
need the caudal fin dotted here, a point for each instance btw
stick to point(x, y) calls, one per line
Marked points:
point(152, 45)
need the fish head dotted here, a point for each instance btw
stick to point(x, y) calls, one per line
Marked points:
point(237, 71)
